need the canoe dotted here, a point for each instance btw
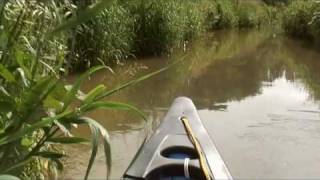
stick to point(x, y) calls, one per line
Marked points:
point(170, 154)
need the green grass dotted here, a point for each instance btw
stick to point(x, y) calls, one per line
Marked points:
point(108, 38)
point(228, 14)
point(130, 28)
point(37, 108)
point(139, 27)
point(248, 16)
point(164, 24)
point(301, 19)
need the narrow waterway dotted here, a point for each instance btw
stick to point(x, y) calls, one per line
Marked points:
point(257, 94)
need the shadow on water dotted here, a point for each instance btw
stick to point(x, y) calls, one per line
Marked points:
point(257, 93)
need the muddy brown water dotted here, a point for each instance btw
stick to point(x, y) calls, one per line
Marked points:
point(257, 93)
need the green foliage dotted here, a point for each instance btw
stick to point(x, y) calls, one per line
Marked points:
point(194, 21)
point(28, 117)
point(164, 24)
point(229, 14)
point(301, 19)
point(226, 14)
point(129, 28)
point(272, 15)
point(108, 38)
point(277, 2)
point(211, 15)
point(251, 15)
point(247, 16)
point(116, 33)
point(315, 25)
point(24, 29)
point(37, 109)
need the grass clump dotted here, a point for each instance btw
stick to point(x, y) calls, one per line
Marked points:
point(108, 38)
point(247, 16)
point(229, 14)
point(135, 27)
point(251, 15)
point(37, 108)
point(211, 16)
point(159, 27)
point(194, 22)
point(226, 16)
point(164, 24)
point(116, 33)
point(301, 19)
point(140, 27)
point(23, 27)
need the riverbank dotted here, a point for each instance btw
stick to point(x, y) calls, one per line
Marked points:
point(137, 28)
point(148, 28)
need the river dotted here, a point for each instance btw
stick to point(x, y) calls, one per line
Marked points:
point(257, 93)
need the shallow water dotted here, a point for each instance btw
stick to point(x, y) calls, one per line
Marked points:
point(257, 94)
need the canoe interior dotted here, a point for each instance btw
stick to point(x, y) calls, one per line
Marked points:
point(163, 155)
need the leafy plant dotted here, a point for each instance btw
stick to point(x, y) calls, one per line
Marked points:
point(300, 19)
point(107, 38)
point(37, 109)
point(43, 109)
point(247, 16)
point(226, 14)
point(163, 25)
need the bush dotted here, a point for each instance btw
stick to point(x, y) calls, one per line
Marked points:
point(247, 16)
point(299, 19)
point(251, 15)
point(164, 24)
point(195, 20)
point(29, 33)
point(226, 14)
point(315, 24)
point(211, 16)
point(37, 108)
point(107, 38)
point(115, 33)
point(158, 27)
point(272, 15)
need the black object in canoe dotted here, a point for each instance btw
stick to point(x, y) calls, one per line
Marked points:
point(169, 154)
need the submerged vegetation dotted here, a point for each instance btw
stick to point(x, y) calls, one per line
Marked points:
point(37, 50)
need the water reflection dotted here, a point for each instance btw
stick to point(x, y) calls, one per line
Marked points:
point(269, 132)
point(257, 93)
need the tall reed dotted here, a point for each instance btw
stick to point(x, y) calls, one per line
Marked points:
point(37, 109)
point(301, 19)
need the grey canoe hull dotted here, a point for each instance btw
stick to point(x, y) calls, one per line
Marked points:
point(154, 157)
